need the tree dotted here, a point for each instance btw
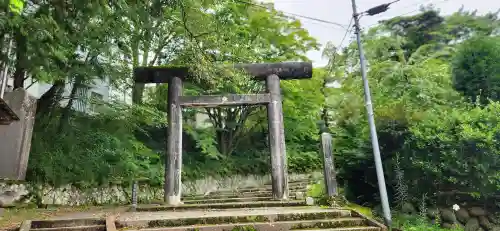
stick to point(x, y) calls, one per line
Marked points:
point(238, 33)
point(429, 27)
point(476, 71)
point(416, 30)
point(407, 87)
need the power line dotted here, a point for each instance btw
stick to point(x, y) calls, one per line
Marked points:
point(335, 54)
point(295, 15)
point(347, 32)
point(413, 11)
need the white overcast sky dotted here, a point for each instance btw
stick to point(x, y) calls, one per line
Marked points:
point(340, 11)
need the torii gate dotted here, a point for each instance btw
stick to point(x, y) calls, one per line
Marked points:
point(272, 73)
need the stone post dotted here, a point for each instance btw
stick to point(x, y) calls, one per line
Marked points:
point(134, 195)
point(328, 165)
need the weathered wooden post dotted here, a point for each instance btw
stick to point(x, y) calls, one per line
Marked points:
point(173, 159)
point(277, 139)
point(328, 165)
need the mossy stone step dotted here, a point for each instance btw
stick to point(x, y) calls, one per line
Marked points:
point(226, 200)
point(267, 187)
point(270, 226)
point(215, 195)
point(367, 228)
point(230, 195)
point(295, 183)
point(255, 190)
point(221, 205)
point(74, 228)
point(242, 218)
point(66, 223)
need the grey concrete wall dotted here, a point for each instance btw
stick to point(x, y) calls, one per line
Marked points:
point(15, 139)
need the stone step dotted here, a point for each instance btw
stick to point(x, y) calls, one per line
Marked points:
point(215, 195)
point(367, 228)
point(226, 200)
point(271, 226)
point(228, 217)
point(267, 187)
point(228, 205)
point(66, 223)
point(254, 190)
point(74, 228)
point(294, 183)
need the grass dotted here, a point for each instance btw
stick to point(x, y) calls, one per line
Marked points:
point(366, 211)
point(423, 226)
point(317, 191)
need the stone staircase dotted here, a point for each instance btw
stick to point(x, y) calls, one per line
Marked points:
point(245, 209)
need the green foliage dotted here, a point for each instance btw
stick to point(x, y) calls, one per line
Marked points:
point(464, 141)
point(75, 45)
point(417, 71)
point(317, 190)
point(16, 6)
point(95, 150)
point(420, 224)
point(443, 142)
point(476, 71)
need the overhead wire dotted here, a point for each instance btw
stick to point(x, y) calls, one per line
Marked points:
point(335, 53)
point(413, 11)
point(295, 15)
point(347, 32)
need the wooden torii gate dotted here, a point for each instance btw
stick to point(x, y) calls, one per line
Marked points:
point(272, 73)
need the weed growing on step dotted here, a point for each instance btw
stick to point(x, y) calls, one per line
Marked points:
point(317, 191)
point(244, 228)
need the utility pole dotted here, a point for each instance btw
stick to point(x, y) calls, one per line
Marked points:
point(369, 109)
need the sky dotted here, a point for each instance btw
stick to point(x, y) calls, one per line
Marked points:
point(340, 11)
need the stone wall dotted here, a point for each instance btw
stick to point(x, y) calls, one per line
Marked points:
point(468, 218)
point(12, 193)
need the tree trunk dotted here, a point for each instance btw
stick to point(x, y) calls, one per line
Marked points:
point(66, 112)
point(20, 65)
point(223, 144)
point(49, 99)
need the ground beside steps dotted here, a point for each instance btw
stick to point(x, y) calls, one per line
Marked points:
point(241, 210)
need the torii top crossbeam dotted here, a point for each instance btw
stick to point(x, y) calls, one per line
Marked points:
point(260, 71)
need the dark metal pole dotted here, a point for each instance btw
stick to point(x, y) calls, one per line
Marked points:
point(277, 139)
point(371, 121)
point(173, 159)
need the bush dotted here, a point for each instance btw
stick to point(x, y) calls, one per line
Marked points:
point(419, 224)
point(476, 71)
point(93, 150)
